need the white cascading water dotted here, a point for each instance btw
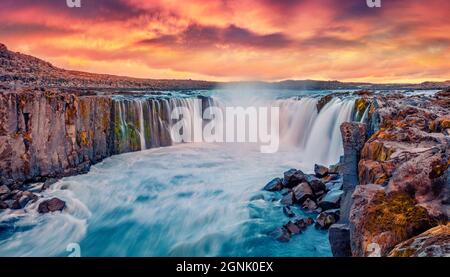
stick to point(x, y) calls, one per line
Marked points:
point(324, 143)
point(141, 125)
point(193, 199)
point(317, 135)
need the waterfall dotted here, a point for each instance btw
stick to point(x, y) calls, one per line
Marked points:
point(143, 123)
point(317, 135)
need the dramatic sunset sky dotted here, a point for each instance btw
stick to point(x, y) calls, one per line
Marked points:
point(403, 41)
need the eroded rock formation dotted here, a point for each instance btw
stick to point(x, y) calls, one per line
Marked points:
point(403, 176)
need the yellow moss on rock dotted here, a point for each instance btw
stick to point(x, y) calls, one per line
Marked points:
point(84, 138)
point(398, 213)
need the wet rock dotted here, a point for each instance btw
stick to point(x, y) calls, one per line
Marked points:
point(28, 156)
point(4, 190)
point(325, 219)
point(281, 234)
point(309, 205)
point(335, 169)
point(309, 221)
point(331, 200)
point(293, 177)
point(339, 237)
point(288, 199)
point(21, 202)
point(330, 177)
point(3, 205)
point(333, 186)
point(317, 186)
point(385, 219)
point(288, 211)
point(274, 185)
point(302, 192)
point(434, 242)
point(304, 222)
point(292, 228)
point(323, 101)
point(48, 183)
point(51, 205)
point(320, 171)
point(353, 137)
point(301, 224)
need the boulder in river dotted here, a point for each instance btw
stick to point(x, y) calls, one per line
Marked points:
point(51, 205)
point(281, 234)
point(309, 204)
point(293, 177)
point(333, 186)
point(325, 219)
point(288, 199)
point(274, 185)
point(292, 228)
point(302, 192)
point(331, 200)
point(320, 170)
point(317, 186)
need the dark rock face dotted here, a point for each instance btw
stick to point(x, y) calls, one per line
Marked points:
point(288, 199)
point(323, 101)
point(331, 200)
point(433, 243)
point(339, 237)
point(325, 219)
point(51, 205)
point(274, 185)
point(320, 170)
point(353, 136)
point(45, 134)
point(302, 192)
point(292, 228)
point(317, 186)
point(293, 177)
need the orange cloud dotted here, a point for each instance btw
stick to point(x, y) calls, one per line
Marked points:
point(405, 41)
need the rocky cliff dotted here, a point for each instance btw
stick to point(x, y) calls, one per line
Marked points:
point(46, 134)
point(403, 176)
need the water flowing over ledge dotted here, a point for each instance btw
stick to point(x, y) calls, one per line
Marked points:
point(189, 199)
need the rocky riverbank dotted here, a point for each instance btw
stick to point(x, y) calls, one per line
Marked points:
point(391, 193)
point(404, 180)
point(319, 193)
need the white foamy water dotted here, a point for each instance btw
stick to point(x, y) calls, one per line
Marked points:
point(194, 199)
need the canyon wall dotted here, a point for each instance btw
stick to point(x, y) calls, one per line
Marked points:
point(45, 134)
point(48, 134)
point(400, 185)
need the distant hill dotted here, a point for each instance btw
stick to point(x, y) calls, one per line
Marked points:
point(17, 70)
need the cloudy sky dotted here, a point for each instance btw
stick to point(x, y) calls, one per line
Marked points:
point(403, 41)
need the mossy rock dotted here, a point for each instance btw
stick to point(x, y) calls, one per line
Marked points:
point(397, 213)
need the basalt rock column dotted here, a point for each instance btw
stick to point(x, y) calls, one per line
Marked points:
point(354, 137)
